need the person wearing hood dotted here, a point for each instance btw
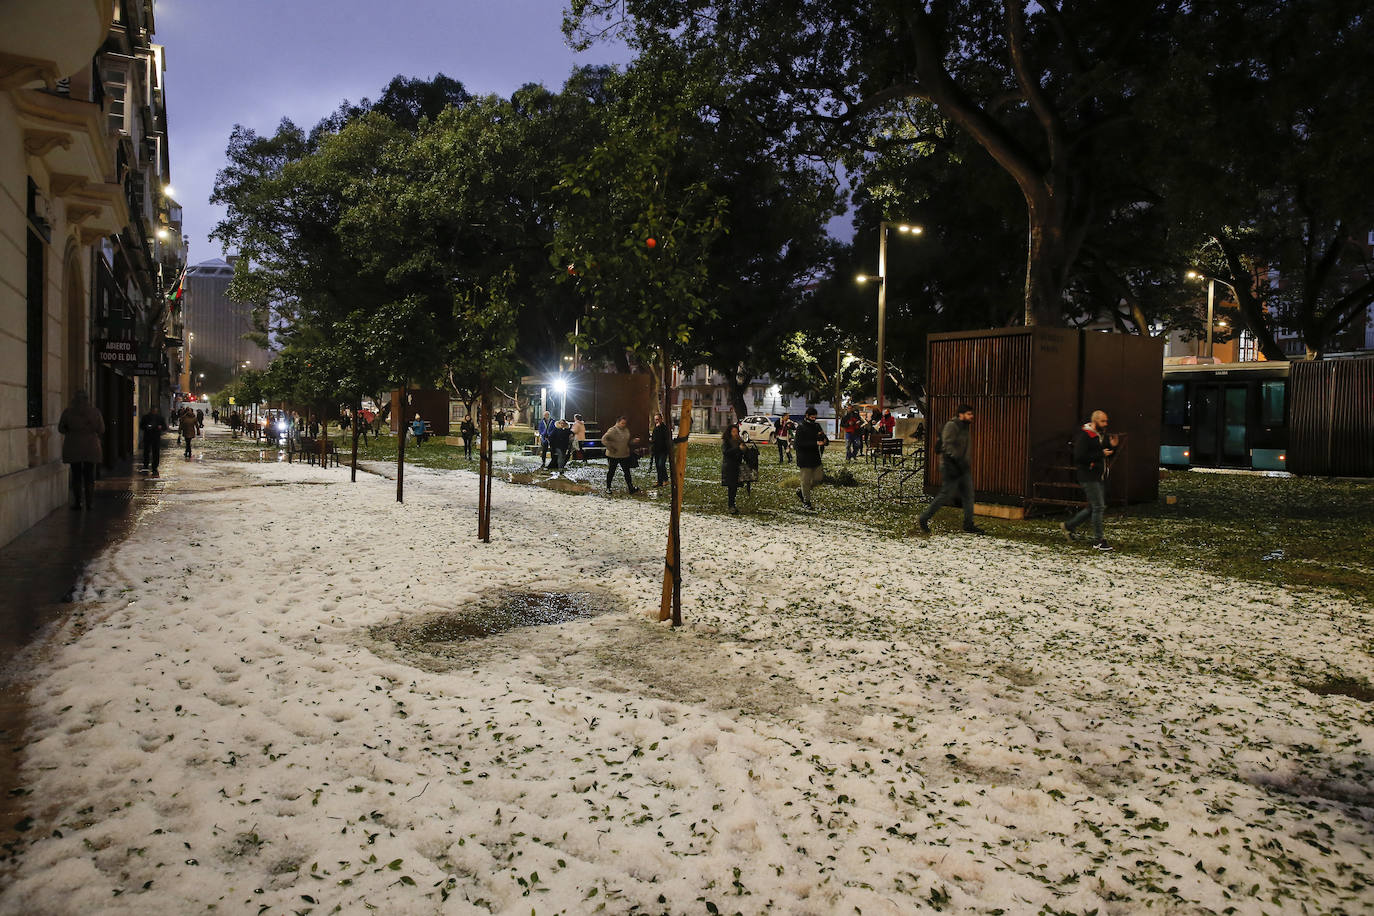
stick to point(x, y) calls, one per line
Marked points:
point(956, 470)
point(81, 426)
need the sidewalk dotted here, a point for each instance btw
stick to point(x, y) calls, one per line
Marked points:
point(39, 569)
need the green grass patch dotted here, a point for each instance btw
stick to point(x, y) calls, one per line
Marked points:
point(1296, 532)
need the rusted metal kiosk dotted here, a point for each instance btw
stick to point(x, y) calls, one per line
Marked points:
point(1031, 389)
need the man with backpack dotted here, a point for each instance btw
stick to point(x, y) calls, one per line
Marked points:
point(956, 469)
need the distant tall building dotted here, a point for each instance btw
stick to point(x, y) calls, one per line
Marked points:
point(216, 329)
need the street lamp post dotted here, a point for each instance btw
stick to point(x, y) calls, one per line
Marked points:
point(560, 388)
point(882, 297)
point(1211, 299)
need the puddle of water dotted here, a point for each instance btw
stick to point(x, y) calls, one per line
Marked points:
point(507, 611)
point(1343, 686)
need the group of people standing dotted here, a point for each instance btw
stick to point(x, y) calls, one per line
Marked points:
point(859, 429)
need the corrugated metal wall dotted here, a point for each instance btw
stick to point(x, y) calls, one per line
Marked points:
point(992, 372)
point(1331, 417)
point(1030, 389)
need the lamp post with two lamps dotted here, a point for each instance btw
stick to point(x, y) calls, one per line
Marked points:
point(881, 280)
point(1211, 299)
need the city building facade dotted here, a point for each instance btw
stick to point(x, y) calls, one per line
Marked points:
point(90, 239)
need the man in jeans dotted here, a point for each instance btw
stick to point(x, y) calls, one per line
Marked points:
point(617, 442)
point(956, 470)
point(545, 429)
point(1090, 453)
point(809, 440)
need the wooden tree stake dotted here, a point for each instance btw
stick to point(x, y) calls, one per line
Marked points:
point(671, 606)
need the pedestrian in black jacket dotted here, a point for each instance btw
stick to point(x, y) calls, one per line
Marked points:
point(659, 441)
point(560, 444)
point(956, 470)
point(1091, 449)
point(808, 442)
point(469, 432)
point(731, 457)
point(152, 426)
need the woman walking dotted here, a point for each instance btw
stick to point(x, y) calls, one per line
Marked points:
point(81, 426)
point(731, 458)
point(188, 426)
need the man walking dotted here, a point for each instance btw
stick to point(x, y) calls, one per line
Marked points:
point(1090, 453)
point(956, 470)
point(187, 426)
point(152, 426)
point(659, 440)
point(852, 444)
point(808, 442)
point(617, 443)
point(544, 429)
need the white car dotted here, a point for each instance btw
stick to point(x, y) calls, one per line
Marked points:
point(759, 428)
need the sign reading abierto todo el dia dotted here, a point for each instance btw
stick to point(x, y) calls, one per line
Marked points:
point(117, 352)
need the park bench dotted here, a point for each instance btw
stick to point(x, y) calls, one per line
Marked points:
point(902, 470)
point(885, 450)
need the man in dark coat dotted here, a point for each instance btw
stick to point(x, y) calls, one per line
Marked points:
point(560, 444)
point(81, 426)
point(152, 426)
point(544, 428)
point(469, 432)
point(1090, 453)
point(659, 440)
point(188, 427)
point(808, 442)
point(956, 470)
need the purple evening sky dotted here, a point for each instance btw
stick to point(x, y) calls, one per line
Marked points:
point(253, 62)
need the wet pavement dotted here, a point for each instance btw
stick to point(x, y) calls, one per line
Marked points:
point(40, 569)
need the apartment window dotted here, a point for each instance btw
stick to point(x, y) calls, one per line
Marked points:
point(1247, 348)
point(116, 88)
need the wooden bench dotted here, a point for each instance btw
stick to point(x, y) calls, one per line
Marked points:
point(885, 450)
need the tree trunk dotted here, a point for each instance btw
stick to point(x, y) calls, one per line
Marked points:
point(737, 389)
point(671, 605)
point(1251, 309)
point(400, 456)
point(357, 418)
point(1046, 260)
point(484, 466)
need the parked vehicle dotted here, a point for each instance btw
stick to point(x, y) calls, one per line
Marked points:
point(759, 428)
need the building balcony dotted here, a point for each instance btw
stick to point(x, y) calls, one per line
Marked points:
point(46, 41)
point(68, 135)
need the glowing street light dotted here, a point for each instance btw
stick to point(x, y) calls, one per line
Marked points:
point(560, 388)
point(1211, 296)
point(881, 279)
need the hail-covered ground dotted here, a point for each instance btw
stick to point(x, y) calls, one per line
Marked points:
point(268, 701)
